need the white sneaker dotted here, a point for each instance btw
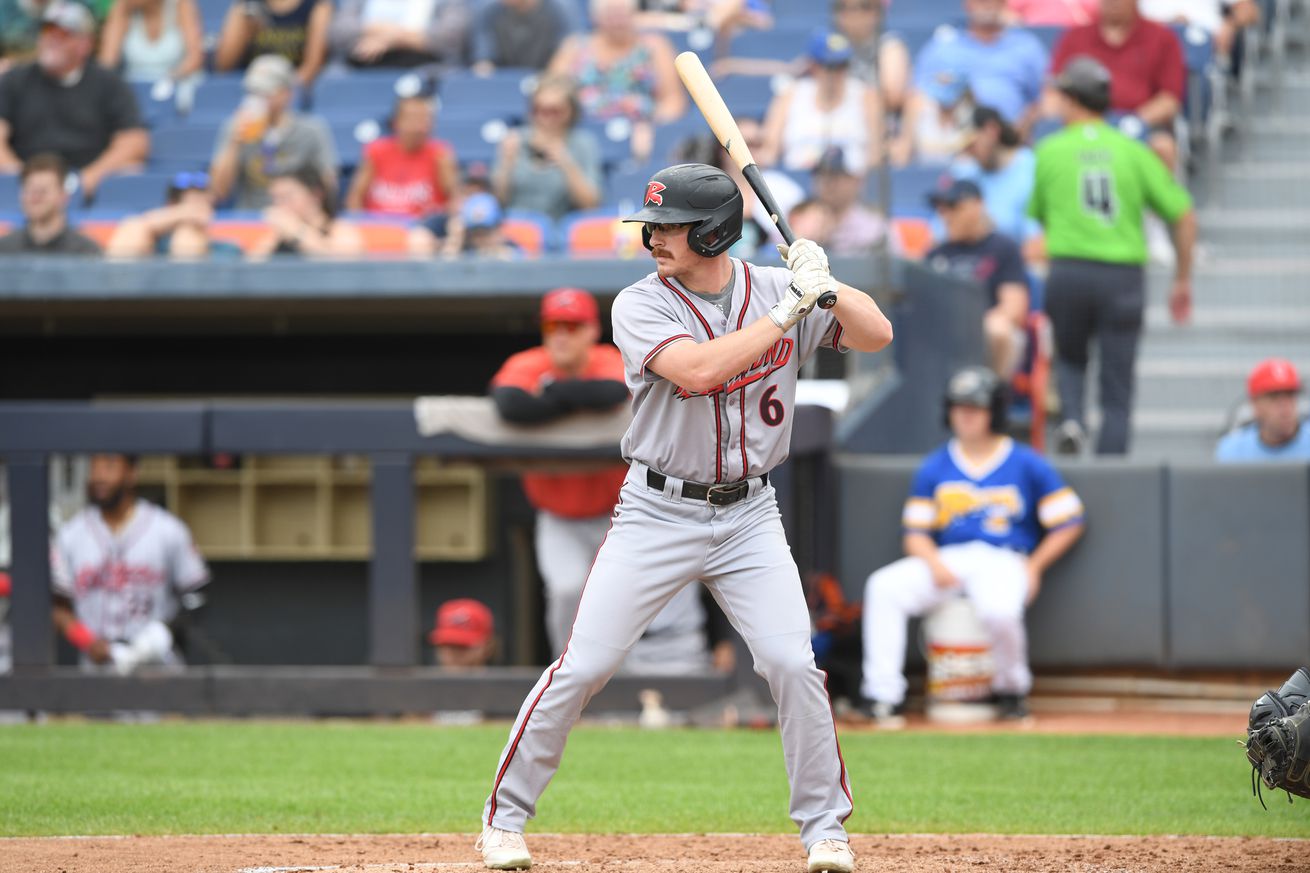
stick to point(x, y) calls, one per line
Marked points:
point(503, 850)
point(831, 856)
point(1070, 438)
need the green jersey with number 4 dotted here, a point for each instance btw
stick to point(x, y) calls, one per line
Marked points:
point(1092, 188)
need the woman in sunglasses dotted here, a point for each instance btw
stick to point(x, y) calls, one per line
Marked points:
point(179, 229)
point(549, 165)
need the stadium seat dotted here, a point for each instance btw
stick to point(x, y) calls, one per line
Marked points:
point(910, 186)
point(913, 237)
point(748, 96)
point(212, 13)
point(503, 94)
point(473, 141)
point(599, 233)
point(134, 192)
point(700, 40)
point(9, 191)
point(1049, 36)
point(924, 13)
point(669, 136)
point(614, 137)
point(626, 185)
point(153, 112)
point(368, 92)
point(182, 146)
point(777, 43)
point(530, 231)
point(217, 97)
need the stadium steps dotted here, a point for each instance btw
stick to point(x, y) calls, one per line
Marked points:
point(1251, 286)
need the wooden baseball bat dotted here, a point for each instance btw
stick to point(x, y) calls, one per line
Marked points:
point(710, 103)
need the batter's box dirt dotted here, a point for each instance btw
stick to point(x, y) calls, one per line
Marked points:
point(570, 853)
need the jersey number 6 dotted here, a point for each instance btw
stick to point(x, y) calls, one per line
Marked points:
point(771, 408)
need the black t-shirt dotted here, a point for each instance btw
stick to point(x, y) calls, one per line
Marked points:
point(991, 262)
point(69, 242)
point(76, 122)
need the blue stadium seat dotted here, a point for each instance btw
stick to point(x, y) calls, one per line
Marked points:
point(182, 146)
point(216, 98)
point(924, 13)
point(781, 44)
point(136, 192)
point(699, 40)
point(615, 139)
point(910, 186)
point(479, 98)
point(748, 96)
point(1049, 36)
point(153, 112)
point(669, 136)
point(473, 141)
point(627, 183)
point(8, 192)
point(212, 13)
point(372, 92)
point(916, 37)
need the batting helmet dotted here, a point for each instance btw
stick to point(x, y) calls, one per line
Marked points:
point(696, 194)
point(1087, 81)
point(976, 386)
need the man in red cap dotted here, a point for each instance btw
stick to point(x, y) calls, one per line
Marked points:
point(572, 371)
point(1278, 433)
point(464, 635)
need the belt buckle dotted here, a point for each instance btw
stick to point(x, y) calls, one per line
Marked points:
point(731, 493)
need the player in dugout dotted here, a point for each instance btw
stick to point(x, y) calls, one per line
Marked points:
point(711, 345)
point(985, 519)
point(125, 573)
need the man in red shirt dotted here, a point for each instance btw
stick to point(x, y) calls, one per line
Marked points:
point(1145, 59)
point(572, 371)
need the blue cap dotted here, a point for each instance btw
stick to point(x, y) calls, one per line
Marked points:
point(946, 88)
point(952, 191)
point(829, 48)
point(480, 211)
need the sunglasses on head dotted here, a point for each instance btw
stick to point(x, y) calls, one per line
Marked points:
point(190, 182)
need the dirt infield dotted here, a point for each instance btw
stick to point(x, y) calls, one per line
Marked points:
point(647, 854)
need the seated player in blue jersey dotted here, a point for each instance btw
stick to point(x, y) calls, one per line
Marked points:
point(1279, 432)
point(985, 519)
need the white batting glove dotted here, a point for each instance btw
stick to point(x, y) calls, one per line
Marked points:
point(122, 660)
point(801, 252)
point(807, 284)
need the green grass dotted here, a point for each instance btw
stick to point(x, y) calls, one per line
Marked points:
point(256, 777)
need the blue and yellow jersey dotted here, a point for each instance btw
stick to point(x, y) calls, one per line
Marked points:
point(1009, 501)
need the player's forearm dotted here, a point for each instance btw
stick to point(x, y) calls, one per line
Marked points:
point(522, 407)
point(922, 546)
point(864, 327)
point(1053, 546)
point(704, 366)
point(590, 393)
point(1183, 232)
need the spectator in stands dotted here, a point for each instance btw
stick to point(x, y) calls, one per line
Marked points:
point(521, 33)
point(622, 72)
point(179, 229)
point(125, 573)
point(934, 124)
point(476, 231)
point(264, 138)
point(1094, 186)
point(985, 519)
point(995, 158)
point(1145, 60)
point(1052, 13)
point(43, 198)
point(572, 371)
point(399, 33)
point(295, 29)
point(857, 229)
point(153, 40)
point(1279, 432)
point(878, 57)
point(1002, 67)
point(303, 222)
point(550, 166)
point(1221, 19)
point(66, 104)
point(811, 219)
point(464, 635)
point(410, 172)
point(974, 251)
point(20, 22)
point(827, 108)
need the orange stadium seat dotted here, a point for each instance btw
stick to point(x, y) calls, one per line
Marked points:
point(914, 235)
point(528, 231)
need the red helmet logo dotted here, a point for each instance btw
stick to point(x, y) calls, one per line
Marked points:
point(653, 194)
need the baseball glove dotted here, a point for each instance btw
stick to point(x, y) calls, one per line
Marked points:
point(1278, 739)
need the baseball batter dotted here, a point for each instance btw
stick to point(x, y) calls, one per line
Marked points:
point(121, 571)
point(985, 519)
point(712, 348)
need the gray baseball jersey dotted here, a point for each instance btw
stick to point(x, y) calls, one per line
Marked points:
point(739, 429)
point(661, 543)
point(119, 581)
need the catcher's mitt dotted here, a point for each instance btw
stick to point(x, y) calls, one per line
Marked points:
point(1278, 739)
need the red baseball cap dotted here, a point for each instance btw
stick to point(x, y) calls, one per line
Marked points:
point(1273, 374)
point(571, 305)
point(463, 622)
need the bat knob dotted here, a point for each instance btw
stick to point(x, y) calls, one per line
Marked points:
point(827, 300)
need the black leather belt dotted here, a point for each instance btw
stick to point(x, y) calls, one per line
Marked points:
point(715, 495)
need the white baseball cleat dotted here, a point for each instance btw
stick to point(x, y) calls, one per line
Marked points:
point(504, 850)
point(831, 856)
